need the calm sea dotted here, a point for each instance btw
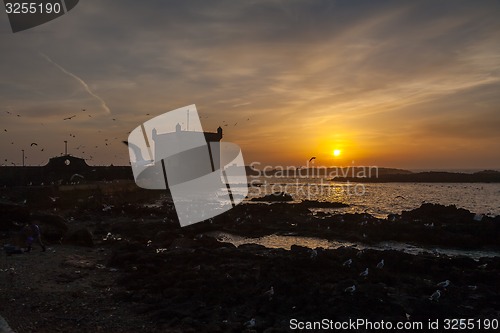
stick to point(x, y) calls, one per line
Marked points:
point(384, 198)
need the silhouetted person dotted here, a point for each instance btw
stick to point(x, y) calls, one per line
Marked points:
point(32, 233)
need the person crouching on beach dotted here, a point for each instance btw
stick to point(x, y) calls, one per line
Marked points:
point(33, 233)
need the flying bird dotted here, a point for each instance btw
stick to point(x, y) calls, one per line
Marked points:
point(312, 158)
point(5, 130)
point(137, 152)
point(33, 144)
point(69, 118)
point(76, 175)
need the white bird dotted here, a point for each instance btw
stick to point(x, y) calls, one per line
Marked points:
point(483, 266)
point(350, 289)
point(314, 253)
point(76, 175)
point(54, 199)
point(444, 284)
point(435, 296)
point(347, 263)
point(250, 323)
point(364, 273)
point(380, 265)
point(360, 253)
point(471, 287)
point(270, 292)
point(106, 207)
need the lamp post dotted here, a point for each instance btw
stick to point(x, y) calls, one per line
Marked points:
point(22, 150)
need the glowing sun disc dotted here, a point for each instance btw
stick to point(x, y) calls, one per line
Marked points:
point(337, 152)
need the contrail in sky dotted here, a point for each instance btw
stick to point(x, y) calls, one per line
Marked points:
point(84, 85)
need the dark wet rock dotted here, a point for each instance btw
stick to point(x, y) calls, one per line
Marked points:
point(183, 243)
point(211, 243)
point(189, 289)
point(440, 213)
point(80, 237)
point(276, 196)
point(323, 204)
point(53, 227)
point(13, 216)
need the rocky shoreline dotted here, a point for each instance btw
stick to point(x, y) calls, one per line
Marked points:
point(121, 267)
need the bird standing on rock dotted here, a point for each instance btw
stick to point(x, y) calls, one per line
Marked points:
point(350, 289)
point(270, 293)
point(250, 323)
point(435, 296)
point(347, 263)
point(364, 273)
point(380, 265)
point(444, 284)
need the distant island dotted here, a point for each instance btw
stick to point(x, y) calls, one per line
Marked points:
point(485, 176)
point(377, 175)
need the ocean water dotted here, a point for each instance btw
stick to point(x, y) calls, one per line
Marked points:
point(286, 242)
point(381, 199)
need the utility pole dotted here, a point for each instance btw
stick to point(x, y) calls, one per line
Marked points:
point(65, 147)
point(23, 155)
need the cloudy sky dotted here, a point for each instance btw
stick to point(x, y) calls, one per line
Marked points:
point(410, 84)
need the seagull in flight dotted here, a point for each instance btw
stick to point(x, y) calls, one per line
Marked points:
point(312, 158)
point(69, 118)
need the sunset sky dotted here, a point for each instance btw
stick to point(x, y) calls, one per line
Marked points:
point(390, 83)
